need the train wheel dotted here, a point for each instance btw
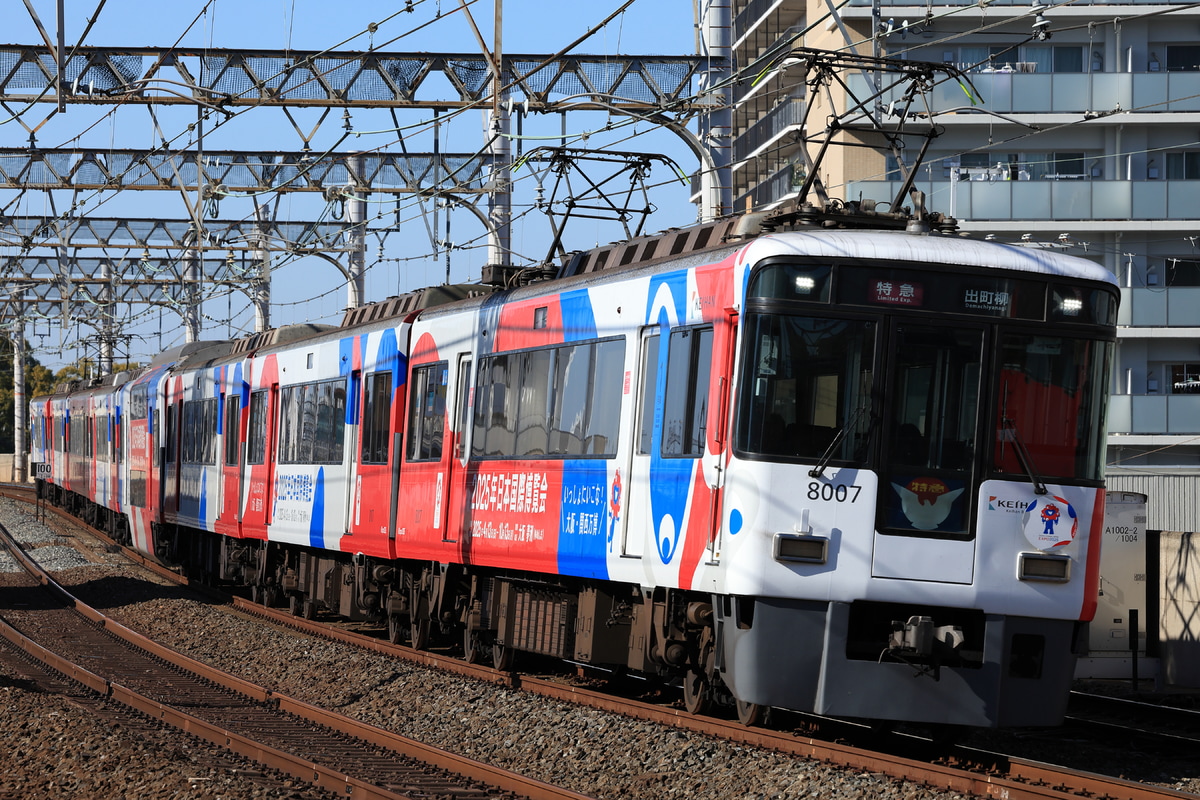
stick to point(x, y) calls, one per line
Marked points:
point(395, 629)
point(502, 656)
point(749, 714)
point(418, 634)
point(472, 647)
point(696, 697)
point(295, 604)
point(308, 609)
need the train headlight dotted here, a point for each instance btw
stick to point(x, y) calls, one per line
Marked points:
point(1044, 567)
point(796, 547)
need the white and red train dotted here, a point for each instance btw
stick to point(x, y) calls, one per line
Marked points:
point(856, 472)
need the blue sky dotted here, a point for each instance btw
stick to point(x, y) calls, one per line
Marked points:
point(307, 289)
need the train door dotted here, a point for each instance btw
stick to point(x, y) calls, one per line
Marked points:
point(231, 411)
point(170, 502)
point(257, 469)
point(670, 500)
point(428, 455)
point(638, 520)
point(456, 456)
point(717, 455)
point(927, 489)
point(352, 433)
point(376, 459)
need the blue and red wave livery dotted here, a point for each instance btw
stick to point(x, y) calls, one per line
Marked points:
point(749, 467)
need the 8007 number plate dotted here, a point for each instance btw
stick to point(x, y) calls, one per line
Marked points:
point(833, 492)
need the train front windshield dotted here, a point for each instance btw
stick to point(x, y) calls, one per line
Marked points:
point(840, 373)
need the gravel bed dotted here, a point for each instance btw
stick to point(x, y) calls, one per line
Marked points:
point(590, 751)
point(52, 748)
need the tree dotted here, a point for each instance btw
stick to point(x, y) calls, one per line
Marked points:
point(38, 381)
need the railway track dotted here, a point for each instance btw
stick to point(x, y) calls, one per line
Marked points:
point(969, 771)
point(318, 746)
point(1165, 725)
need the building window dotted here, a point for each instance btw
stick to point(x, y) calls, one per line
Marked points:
point(980, 58)
point(1185, 378)
point(1183, 272)
point(1184, 166)
point(1054, 58)
point(1183, 57)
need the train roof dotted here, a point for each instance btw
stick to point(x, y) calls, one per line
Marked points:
point(932, 248)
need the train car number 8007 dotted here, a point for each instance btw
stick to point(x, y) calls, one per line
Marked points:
point(836, 492)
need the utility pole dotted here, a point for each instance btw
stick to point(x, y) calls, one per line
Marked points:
point(106, 319)
point(20, 467)
point(261, 297)
point(716, 188)
point(497, 127)
point(356, 219)
point(191, 295)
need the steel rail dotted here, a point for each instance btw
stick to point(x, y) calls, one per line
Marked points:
point(310, 771)
point(1020, 779)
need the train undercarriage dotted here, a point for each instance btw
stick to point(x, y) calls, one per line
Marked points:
point(715, 647)
point(488, 614)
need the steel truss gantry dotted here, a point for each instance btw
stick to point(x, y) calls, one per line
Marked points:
point(375, 79)
point(240, 171)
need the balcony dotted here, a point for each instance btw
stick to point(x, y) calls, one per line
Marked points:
point(752, 15)
point(782, 183)
point(1059, 93)
point(1154, 414)
point(1159, 307)
point(783, 116)
point(1065, 200)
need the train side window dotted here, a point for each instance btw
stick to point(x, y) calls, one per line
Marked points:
point(496, 407)
point(232, 410)
point(572, 377)
point(536, 397)
point(313, 428)
point(557, 401)
point(427, 412)
point(256, 436)
point(604, 414)
point(649, 395)
point(376, 417)
point(685, 408)
point(330, 432)
point(462, 403)
point(171, 427)
point(200, 431)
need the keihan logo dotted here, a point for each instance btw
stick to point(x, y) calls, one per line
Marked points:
point(1002, 504)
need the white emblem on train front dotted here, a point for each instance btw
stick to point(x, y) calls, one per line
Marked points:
point(1050, 522)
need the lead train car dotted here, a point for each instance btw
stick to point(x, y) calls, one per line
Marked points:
point(851, 472)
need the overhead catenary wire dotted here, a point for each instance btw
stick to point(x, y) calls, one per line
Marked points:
point(634, 135)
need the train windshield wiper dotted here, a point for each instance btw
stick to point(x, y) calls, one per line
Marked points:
point(823, 461)
point(1010, 428)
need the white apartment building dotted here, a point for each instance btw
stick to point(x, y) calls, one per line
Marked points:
point(1088, 139)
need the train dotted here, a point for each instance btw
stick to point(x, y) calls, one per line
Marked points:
point(847, 469)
